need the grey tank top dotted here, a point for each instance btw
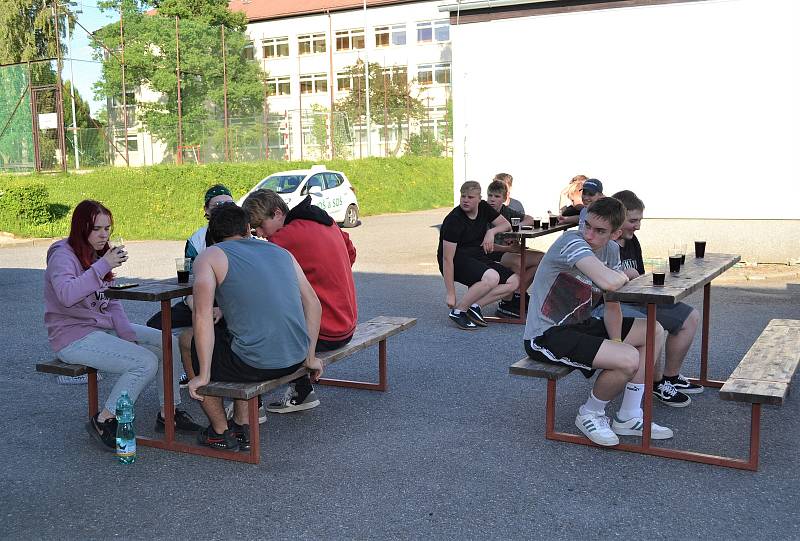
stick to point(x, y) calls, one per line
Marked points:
point(260, 299)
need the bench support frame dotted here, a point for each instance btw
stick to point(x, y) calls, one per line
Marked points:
point(383, 378)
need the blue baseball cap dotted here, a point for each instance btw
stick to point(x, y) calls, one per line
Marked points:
point(593, 185)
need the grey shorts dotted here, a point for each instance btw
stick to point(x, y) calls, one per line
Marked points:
point(671, 316)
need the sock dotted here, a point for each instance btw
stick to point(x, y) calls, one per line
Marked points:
point(478, 306)
point(593, 405)
point(631, 402)
point(455, 311)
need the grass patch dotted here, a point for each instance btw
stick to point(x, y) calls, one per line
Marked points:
point(165, 202)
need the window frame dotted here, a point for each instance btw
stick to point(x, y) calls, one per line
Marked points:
point(275, 44)
point(351, 35)
point(313, 40)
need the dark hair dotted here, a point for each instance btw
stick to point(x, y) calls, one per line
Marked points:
point(629, 199)
point(262, 204)
point(609, 209)
point(83, 217)
point(228, 220)
point(498, 186)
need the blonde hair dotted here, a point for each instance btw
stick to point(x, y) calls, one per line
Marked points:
point(504, 177)
point(262, 204)
point(469, 186)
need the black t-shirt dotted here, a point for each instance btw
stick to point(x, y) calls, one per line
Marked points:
point(508, 213)
point(631, 255)
point(466, 233)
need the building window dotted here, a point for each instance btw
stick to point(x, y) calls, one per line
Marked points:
point(275, 47)
point(442, 73)
point(430, 31)
point(425, 74)
point(346, 81)
point(311, 43)
point(347, 40)
point(278, 86)
point(397, 74)
point(313, 83)
point(428, 74)
point(248, 53)
point(390, 35)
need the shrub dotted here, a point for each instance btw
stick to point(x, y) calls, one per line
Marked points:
point(26, 203)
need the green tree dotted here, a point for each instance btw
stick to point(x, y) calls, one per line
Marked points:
point(391, 102)
point(92, 147)
point(27, 31)
point(150, 63)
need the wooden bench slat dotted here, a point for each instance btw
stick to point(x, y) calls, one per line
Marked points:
point(366, 334)
point(773, 357)
point(755, 392)
point(539, 369)
point(63, 369)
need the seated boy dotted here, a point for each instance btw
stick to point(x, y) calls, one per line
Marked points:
point(465, 239)
point(272, 316)
point(679, 320)
point(592, 191)
point(560, 328)
point(326, 255)
point(508, 254)
point(509, 201)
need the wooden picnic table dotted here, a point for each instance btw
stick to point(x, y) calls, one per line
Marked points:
point(521, 237)
point(696, 273)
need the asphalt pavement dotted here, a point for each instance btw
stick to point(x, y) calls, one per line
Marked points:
point(455, 449)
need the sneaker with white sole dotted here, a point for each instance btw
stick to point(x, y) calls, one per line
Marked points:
point(667, 394)
point(595, 427)
point(474, 314)
point(634, 426)
point(462, 320)
point(682, 384)
point(292, 401)
point(83, 379)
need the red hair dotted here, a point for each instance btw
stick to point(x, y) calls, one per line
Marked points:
point(83, 217)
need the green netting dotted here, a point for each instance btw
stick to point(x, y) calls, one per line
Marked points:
point(16, 127)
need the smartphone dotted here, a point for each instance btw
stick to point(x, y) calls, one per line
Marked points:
point(126, 285)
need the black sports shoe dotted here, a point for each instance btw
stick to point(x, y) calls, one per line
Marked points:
point(666, 393)
point(241, 433)
point(682, 384)
point(183, 422)
point(462, 320)
point(507, 309)
point(105, 432)
point(225, 441)
point(474, 315)
point(183, 381)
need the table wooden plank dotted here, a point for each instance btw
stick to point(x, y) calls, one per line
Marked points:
point(773, 357)
point(695, 274)
point(531, 233)
point(754, 392)
point(152, 290)
point(539, 369)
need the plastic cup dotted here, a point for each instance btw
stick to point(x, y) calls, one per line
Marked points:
point(537, 223)
point(514, 224)
point(700, 248)
point(183, 265)
point(553, 220)
point(658, 277)
point(545, 226)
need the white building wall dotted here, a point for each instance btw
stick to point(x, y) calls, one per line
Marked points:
point(694, 106)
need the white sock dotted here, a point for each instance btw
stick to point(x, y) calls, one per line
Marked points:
point(456, 311)
point(478, 306)
point(631, 402)
point(593, 405)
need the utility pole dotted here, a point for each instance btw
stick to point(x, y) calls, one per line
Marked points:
point(366, 79)
point(72, 91)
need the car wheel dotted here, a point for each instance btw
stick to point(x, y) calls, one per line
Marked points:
point(351, 217)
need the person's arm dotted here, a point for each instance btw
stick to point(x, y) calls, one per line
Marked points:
point(312, 310)
point(499, 225)
point(526, 220)
point(605, 278)
point(562, 220)
point(351, 250)
point(122, 325)
point(612, 318)
point(71, 288)
point(631, 273)
point(448, 271)
point(205, 284)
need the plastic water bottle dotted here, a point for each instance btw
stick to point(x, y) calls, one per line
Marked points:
point(126, 437)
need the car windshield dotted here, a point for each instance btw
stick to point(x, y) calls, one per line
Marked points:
point(282, 183)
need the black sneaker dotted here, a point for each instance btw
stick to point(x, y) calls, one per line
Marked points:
point(105, 432)
point(474, 315)
point(241, 433)
point(183, 422)
point(462, 320)
point(225, 441)
point(666, 393)
point(682, 384)
point(183, 381)
point(507, 309)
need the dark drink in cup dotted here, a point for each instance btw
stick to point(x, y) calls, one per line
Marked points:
point(683, 259)
point(537, 223)
point(515, 224)
point(658, 278)
point(183, 276)
point(700, 248)
point(553, 220)
point(545, 225)
point(674, 263)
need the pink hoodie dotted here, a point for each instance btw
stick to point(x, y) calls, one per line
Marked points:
point(75, 304)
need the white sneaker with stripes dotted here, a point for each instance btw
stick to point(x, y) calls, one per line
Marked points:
point(595, 427)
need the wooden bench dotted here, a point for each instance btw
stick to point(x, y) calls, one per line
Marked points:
point(374, 331)
point(763, 376)
point(63, 369)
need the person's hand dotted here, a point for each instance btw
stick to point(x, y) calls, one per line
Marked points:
point(488, 242)
point(217, 314)
point(194, 384)
point(561, 219)
point(451, 300)
point(115, 257)
point(314, 365)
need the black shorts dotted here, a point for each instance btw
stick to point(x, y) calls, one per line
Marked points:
point(227, 366)
point(330, 345)
point(574, 345)
point(470, 270)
